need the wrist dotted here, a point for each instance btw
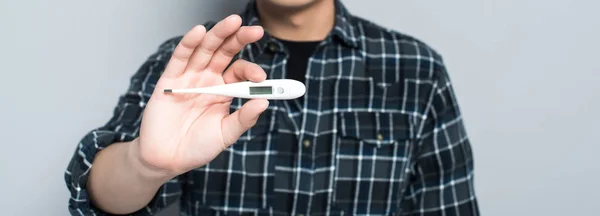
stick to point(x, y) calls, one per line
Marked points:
point(145, 170)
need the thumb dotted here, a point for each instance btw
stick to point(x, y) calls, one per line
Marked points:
point(238, 122)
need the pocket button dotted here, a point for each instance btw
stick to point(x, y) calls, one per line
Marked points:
point(306, 143)
point(379, 137)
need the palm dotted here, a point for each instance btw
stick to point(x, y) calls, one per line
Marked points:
point(182, 132)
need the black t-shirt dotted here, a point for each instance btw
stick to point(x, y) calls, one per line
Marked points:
point(299, 53)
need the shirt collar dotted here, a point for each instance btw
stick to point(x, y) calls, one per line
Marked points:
point(343, 29)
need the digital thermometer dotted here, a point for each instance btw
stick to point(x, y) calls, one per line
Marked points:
point(274, 89)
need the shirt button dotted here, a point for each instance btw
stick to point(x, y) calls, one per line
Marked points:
point(306, 143)
point(273, 47)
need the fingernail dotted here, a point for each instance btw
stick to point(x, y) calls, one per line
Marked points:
point(233, 16)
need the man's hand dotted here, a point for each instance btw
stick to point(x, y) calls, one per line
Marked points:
point(182, 132)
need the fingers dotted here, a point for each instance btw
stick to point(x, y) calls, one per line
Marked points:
point(212, 41)
point(242, 70)
point(183, 51)
point(234, 125)
point(233, 45)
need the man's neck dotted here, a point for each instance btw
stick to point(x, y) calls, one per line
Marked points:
point(310, 23)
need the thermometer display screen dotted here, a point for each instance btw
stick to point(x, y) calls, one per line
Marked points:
point(261, 90)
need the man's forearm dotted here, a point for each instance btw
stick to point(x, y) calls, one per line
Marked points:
point(119, 183)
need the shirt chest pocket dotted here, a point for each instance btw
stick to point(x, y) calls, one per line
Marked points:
point(372, 154)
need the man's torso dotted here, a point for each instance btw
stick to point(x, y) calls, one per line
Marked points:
point(346, 148)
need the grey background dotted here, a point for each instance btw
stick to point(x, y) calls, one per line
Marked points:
point(526, 73)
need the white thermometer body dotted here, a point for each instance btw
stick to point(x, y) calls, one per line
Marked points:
point(274, 89)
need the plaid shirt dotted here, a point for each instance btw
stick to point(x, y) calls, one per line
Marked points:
point(379, 132)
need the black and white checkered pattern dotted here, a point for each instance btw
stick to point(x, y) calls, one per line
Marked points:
point(379, 132)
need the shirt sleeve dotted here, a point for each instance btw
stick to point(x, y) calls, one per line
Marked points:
point(441, 181)
point(123, 126)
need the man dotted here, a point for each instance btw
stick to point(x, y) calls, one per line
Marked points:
point(378, 131)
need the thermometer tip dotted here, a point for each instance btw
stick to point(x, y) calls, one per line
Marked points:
point(168, 90)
